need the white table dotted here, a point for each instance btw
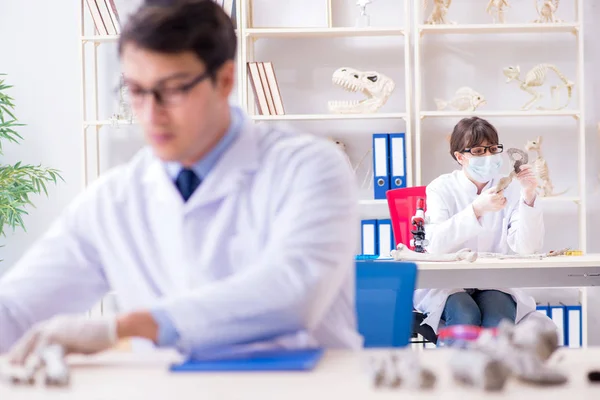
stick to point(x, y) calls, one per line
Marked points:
point(340, 375)
point(560, 271)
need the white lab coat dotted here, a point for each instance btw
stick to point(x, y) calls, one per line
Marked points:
point(263, 251)
point(452, 225)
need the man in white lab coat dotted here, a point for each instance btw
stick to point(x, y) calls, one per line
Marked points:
point(219, 234)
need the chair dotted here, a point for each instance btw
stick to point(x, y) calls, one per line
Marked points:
point(384, 294)
point(402, 204)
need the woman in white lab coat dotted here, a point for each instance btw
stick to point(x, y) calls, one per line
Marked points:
point(463, 213)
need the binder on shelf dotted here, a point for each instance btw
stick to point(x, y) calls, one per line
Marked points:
point(107, 11)
point(265, 84)
point(557, 314)
point(99, 23)
point(381, 173)
point(573, 331)
point(260, 96)
point(369, 237)
point(397, 160)
point(543, 309)
point(385, 237)
point(274, 88)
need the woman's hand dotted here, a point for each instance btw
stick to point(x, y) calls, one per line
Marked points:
point(488, 201)
point(528, 182)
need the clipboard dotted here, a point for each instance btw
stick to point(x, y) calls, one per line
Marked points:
point(271, 360)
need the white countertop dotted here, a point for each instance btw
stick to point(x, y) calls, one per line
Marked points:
point(340, 375)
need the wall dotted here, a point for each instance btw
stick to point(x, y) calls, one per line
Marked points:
point(40, 52)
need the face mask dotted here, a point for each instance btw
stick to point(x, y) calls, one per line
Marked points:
point(483, 169)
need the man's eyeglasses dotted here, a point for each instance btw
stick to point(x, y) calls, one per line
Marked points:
point(480, 150)
point(164, 96)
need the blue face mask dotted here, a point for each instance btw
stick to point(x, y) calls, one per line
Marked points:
point(483, 169)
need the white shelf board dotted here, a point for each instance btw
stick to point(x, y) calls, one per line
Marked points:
point(308, 117)
point(321, 32)
point(574, 199)
point(100, 38)
point(501, 113)
point(499, 28)
point(108, 122)
point(373, 202)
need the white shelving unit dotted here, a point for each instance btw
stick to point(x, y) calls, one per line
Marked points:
point(574, 28)
point(250, 35)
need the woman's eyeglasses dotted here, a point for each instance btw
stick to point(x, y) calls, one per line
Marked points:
point(480, 150)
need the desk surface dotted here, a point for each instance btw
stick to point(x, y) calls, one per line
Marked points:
point(340, 375)
point(559, 271)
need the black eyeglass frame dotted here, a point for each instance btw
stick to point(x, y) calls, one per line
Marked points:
point(158, 93)
point(486, 149)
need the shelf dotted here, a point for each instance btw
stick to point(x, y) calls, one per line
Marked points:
point(321, 32)
point(108, 122)
point(552, 199)
point(506, 113)
point(309, 117)
point(499, 28)
point(100, 38)
point(373, 202)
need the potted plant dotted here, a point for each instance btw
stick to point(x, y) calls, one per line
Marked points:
point(18, 181)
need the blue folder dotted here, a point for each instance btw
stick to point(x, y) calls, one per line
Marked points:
point(273, 360)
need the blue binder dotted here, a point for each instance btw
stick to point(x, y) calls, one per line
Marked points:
point(381, 165)
point(397, 160)
point(573, 331)
point(385, 237)
point(369, 237)
point(272, 360)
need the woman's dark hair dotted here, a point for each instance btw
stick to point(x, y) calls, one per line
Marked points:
point(176, 26)
point(470, 132)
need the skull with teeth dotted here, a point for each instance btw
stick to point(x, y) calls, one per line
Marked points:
point(375, 86)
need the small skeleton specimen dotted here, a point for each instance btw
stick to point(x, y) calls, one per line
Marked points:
point(403, 253)
point(400, 369)
point(465, 99)
point(375, 86)
point(497, 6)
point(546, 11)
point(125, 113)
point(536, 77)
point(479, 370)
point(541, 168)
point(524, 349)
point(51, 358)
point(518, 158)
point(440, 10)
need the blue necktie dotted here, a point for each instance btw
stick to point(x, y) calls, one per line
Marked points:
point(187, 181)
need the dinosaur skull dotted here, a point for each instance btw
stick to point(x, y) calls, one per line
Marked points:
point(511, 73)
point(375, 86)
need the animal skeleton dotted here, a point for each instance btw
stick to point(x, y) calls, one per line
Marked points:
point(537, 77)
point(439, 12)
point(52, 357)
point(465, 99)
point(538, 256)
point(541, 168)
point(519, 157)
point(524, 348)
point(546, 11)
point(403, 253)
point(499, 6)
point(400, 368)
point(375, 86)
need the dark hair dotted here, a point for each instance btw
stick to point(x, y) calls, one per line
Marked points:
point(470, 132)
point(175, 26)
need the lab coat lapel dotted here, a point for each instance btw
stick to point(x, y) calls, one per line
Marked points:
point(231, 171)
point(165, 220)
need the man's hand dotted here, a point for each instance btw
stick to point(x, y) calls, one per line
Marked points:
point(528, 182)
point(76, 334)
point(488, 201)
